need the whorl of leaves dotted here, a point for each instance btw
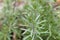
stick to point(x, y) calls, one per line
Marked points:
point(37, 20)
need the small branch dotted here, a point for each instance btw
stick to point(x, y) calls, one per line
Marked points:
point(14, 36)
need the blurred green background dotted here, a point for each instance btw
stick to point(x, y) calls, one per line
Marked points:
point(37, 20)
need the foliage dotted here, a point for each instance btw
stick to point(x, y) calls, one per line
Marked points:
point(39, 17)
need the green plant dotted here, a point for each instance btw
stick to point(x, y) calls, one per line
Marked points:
point(37, 20)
